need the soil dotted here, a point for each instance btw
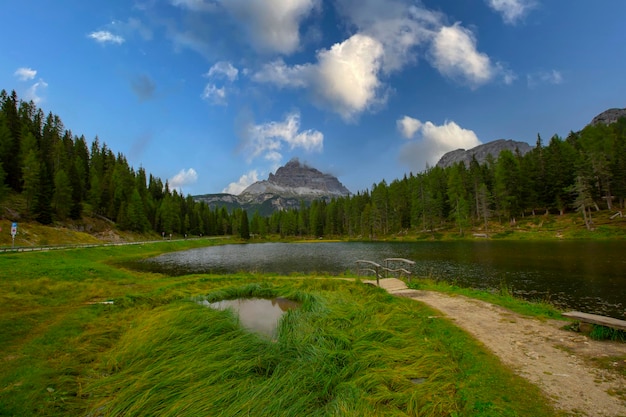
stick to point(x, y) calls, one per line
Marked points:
point(563, 363)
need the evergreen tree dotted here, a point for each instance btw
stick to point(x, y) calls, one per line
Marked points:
point(31, 180)
point(4, 189)
point(62, 198)
point(244, 229)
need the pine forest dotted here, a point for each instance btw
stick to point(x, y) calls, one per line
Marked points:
point(60, 176)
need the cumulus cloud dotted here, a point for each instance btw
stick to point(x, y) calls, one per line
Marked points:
point(544, 77)
point(244, 182)
point(184, 177)
point(104, 37)
point(223, 69)
point(454, 55)
point(512, 11)
point(25, 74)
point(272, 26)
point(214, 94)
point(219, 71)
point(282, 75)
point(344, 78)
point(429, 141)
point(408, 126)
point(349, 77)
point(398, 26)
point(267, 140)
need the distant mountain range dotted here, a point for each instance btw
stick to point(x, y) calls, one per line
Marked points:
point(296, 182)
point(292, 184)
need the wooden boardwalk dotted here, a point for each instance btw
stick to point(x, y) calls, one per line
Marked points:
point(393, 286)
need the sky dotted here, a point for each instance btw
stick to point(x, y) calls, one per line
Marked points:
point(213, 95)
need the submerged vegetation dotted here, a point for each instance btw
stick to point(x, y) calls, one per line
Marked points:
point(83, 335)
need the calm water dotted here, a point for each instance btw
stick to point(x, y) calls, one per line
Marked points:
point(586, 276)
point(259, 315)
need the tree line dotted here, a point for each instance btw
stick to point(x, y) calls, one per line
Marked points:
point(584, 172)
point(60, 176)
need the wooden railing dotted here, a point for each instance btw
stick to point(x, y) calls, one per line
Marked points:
point(390, 267)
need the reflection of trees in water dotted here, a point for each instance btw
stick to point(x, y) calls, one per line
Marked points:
point(285, 304)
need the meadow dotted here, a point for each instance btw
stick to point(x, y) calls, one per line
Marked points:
point(82, 334)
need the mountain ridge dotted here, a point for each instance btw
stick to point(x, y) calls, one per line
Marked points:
point(291, 185)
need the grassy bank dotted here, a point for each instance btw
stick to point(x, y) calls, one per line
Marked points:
point(350, 350)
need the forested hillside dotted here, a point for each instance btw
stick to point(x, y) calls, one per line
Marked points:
point(59, 175)
point(584, 172)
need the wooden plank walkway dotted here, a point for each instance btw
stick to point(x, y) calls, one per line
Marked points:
point(595, 319)
point(394, 286)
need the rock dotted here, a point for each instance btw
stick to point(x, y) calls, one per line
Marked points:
point(480, 152)
point(297, 180)
point(608, 116)
point(287, 188)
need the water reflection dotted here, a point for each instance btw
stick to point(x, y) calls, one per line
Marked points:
point(579, 275)
point(259, 315)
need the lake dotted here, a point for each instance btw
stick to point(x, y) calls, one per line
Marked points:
point(585, 276)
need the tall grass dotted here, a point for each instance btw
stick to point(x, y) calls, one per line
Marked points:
point(349, 350)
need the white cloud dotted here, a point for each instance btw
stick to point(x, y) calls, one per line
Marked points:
point(282, 75)
point(33, 93)
point(184, 177)
point(214, 94)
point(104, 36)
point(25, 74)
point(398, 26)
point(244, 182)
point(544, 77)
point(344, 78)
point(223, 69)
point(272, 26)
point(267, 140)
point(454, 55)
point(347, 75)
point(220, 70)
point(408, 126)
point(433, 142)
point(512, 11)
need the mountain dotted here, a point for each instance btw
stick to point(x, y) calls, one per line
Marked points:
point(608, 116)
point(298, 180)
point(480, 152)
point(291, 184)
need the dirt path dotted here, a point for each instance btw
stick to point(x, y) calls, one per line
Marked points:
point(556, 360)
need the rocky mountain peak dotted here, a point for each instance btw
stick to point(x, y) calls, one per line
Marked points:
point(298, 179)
point(608, 116)
point(480, 152)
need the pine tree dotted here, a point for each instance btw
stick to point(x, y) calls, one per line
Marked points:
point(32, 174)
point(244, 229)
point(62, 198)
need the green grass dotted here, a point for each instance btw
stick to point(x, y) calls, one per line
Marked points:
point(350, 350)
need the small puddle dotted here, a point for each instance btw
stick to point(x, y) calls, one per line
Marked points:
point(259, 315)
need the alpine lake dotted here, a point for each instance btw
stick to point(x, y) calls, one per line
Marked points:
point(588, 276)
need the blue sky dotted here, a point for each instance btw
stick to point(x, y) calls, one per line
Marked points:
point(213, 95)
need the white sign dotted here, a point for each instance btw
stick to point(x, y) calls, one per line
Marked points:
point(13, 229)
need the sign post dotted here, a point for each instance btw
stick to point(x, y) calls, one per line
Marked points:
point(13, 232)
